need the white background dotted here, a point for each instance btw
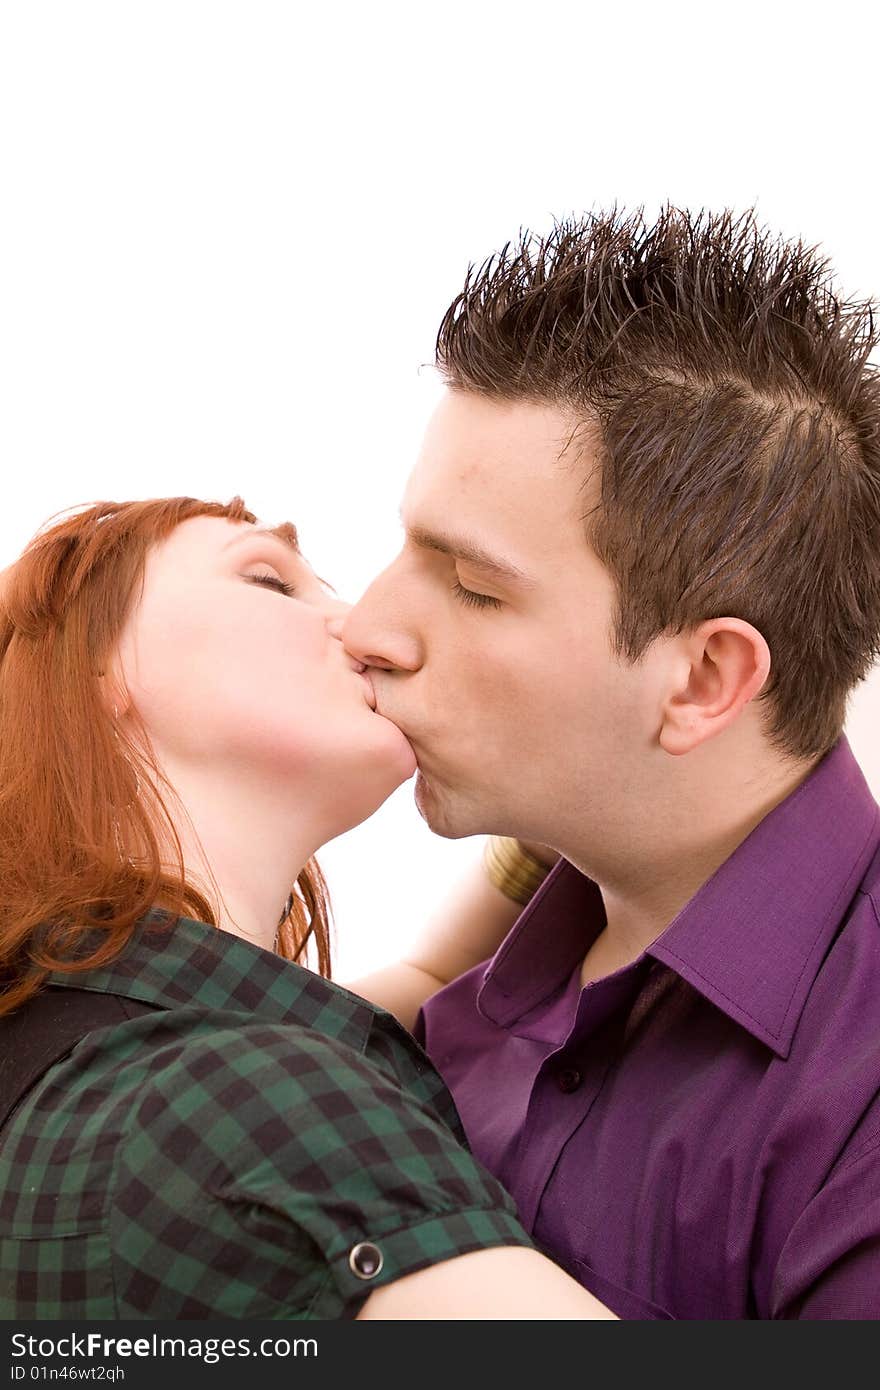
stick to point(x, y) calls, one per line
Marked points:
point(229, 230)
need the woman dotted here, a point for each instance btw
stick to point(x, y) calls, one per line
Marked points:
point(196, 1125)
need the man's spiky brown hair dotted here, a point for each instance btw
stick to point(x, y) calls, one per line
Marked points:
point(738, 432)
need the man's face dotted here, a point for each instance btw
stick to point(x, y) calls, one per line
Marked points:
point(522, 720)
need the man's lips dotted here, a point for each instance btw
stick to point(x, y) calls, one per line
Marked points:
point(376, 695)
point(396, 722)
point(379, 707)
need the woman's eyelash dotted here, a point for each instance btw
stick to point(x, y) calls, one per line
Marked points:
point(474, 600)
point(271, 581)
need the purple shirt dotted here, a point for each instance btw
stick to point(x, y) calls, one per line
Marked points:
point(698, 1134)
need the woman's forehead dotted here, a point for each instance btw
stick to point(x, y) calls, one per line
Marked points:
point(212, 535)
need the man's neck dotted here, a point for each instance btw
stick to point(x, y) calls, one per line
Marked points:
point(642, 896)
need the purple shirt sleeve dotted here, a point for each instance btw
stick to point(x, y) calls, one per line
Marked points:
point(830, 1265)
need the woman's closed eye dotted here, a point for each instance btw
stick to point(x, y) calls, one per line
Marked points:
point(272, 581)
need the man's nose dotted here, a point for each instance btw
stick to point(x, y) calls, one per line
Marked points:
point(380, 632)
point(334, 611)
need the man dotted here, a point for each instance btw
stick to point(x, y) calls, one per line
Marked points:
point(641, 575)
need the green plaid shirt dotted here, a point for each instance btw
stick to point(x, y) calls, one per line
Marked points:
point(222, 1157)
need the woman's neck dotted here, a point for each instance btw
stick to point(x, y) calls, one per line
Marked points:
point(241, 846)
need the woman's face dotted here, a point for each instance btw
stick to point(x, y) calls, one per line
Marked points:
point(228, 660)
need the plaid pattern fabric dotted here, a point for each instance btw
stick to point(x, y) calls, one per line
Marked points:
point(222, 1157)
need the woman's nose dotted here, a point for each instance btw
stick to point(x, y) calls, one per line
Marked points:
point(337, 618)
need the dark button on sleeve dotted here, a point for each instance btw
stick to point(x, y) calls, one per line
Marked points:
point(365, 1260)
point(568, 1079)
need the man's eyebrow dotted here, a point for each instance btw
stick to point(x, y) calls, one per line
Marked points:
point(460, 548)
point(286, 533)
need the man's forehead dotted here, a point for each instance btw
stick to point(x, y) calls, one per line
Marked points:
point(499, 492)
point(466, 427)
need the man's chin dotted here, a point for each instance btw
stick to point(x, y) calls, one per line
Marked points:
point(423, 796)
point(435, 809)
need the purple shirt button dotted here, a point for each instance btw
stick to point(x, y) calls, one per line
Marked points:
point(568, 1079)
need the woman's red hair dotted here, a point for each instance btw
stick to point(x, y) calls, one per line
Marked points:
point(73, 790)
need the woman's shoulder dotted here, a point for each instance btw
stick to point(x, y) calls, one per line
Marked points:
point(270, 1137)
point(288, 1155)
point(251, 1068)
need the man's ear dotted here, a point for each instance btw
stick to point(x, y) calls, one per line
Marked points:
point(719, 667)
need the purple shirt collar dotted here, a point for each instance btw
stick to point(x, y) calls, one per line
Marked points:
point(750, 940)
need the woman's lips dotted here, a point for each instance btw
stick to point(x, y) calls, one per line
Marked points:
point(360, 669)
point(371, 694)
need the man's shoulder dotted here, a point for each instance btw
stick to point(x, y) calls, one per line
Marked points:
point(869, 888)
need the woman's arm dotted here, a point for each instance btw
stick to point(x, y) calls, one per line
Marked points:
point(467, 928)
point(504, 1282)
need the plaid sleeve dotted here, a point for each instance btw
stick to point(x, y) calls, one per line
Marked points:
point(272, 1172)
